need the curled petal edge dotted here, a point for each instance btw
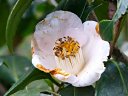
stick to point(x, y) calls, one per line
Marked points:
point(52, 72)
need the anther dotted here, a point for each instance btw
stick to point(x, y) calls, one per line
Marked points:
point(66, 47)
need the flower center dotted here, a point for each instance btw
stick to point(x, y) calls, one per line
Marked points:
point(68, 55)
point(66, 47)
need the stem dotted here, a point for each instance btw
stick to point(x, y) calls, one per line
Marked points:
point(2, 89)
point(55, 82)
point(94, 15)
point(116, 35)
point(60, 87)
point(93, 12)
point(117, 32)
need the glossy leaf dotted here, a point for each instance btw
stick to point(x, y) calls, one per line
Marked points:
point(77, 91)
point(122, 6)
point(114, 81)
point(13, 68)
point(14, 19)
point(33, 89)
point(106, 29)
point(32, 75)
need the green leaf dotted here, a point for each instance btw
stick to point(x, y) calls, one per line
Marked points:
point(13, 68)
point(14, 19)
point(32, 75)
point(122, 6)
point(106, 29)
point(102, 10)
point(50, 84)
point(114, 81)
point(33, 89)
point(27, 92)
point(79, 7)
point(77, 91)
point(4, 12)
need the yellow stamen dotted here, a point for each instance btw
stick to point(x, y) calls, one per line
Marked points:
point(68, 55)
point(66, 47)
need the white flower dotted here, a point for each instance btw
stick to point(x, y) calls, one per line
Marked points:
point(69, 50)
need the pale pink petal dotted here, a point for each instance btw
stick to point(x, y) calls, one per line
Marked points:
point(56, 25)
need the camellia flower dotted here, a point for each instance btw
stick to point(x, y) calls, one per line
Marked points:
point(69, 50)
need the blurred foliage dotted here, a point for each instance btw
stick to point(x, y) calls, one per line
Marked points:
point(114, 81)
point(102, 10)
point(32, 75)
point(4, 12)
point(14, 69)
point(19, 18)
point(73, 91)
point(32, 90)
point(106, 29)
point(13, 20)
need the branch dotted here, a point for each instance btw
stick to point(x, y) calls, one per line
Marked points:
point(2, 89)
point(115, 52)
point(119, 56)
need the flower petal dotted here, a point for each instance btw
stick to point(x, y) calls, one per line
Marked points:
point(56, 25)
point(72, 79)
point(89, 75)
point(96, 48)
point(41, 58)
point(95, 52)
point(62, 23)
